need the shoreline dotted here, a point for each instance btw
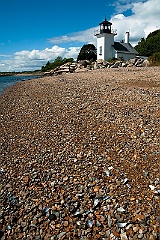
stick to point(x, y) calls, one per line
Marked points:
point(80, 156)
point(8, 81)
point(6, 74)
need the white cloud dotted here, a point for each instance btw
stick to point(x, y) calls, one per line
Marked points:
point(85, 36)
point(143, 20)
point(124, 5)
point(35, 59)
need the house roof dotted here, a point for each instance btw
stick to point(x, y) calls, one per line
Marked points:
point(124, 47)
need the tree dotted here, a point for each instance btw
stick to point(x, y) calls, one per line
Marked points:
point(150, 45)
point(57, 62)
point(87, 52)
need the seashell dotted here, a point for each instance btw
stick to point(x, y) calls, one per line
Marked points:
point(79, 223)
point(56, 214)
point(157, 181)
point(96, 202)
point(79, 195)
point(85, 214)
point(9, 227)
point(110, 168)
point(89, 222)
point(12, 198)
point(120, 209)
point(78, 213)
point(61, 235)
point(107, 173)
point(121, 225)
point(2, 171)
point(145, 174)
point(125, 180)
point(72, 208)
point(152, 187)
point(157, 191)
point(45, 211)
point(106, 197)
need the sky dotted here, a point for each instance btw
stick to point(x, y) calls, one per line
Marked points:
point(33, 32)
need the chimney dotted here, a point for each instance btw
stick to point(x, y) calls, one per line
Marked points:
point(127, 37)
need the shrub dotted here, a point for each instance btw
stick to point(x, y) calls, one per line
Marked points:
point(155, 58)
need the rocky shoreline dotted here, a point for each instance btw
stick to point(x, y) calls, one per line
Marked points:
point(80, 156)
point(86, 65)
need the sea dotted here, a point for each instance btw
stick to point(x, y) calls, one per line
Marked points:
point(6, 81)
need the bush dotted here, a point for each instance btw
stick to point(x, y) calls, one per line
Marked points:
point(155, 58)
point(57, 62)
point(113, 60)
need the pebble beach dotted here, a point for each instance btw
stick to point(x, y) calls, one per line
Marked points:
point(80, 156)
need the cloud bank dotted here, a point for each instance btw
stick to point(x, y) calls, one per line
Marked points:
point(144, 18)
point(35, 59)
point(86, 36)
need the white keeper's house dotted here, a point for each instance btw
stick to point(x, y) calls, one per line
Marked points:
point(107, 48)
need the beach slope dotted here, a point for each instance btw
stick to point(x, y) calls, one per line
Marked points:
point(80, 156)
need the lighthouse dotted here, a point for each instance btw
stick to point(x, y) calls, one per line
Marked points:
point(105, 41)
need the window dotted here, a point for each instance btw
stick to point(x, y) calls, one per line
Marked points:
point(100, 50)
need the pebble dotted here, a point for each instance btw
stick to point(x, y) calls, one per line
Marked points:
point(123, 235)
point(140, 235)
point(79, 160)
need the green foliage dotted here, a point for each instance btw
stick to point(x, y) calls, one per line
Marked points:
point(87, 52)
point(57, 62)
point(146, 47)
point(113, 60)
point(155, 58)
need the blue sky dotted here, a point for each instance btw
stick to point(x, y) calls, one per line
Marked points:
point(35, 31)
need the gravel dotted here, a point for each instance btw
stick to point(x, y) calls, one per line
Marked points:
point(80, 156)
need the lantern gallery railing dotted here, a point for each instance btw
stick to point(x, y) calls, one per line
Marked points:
point(98, 31)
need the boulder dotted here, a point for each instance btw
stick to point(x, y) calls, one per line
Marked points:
point(132, 61)
point(106, 64)
point(84, 62)
point(130, 65)
point(139, 62)
point(116, 64)
point(100, 61)
point(85, 65)
point(145, 63)
point(124, 64)
point(95, 65)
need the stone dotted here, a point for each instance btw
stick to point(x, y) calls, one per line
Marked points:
point(65, 223)
point(63, 132)
point(135, 229)
point(52, 217)
point(152, 237)
point(140, 236)
point(123, 235)
point(116, 65)
point(145, 63)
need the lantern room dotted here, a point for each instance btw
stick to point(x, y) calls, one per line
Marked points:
point(105, 26)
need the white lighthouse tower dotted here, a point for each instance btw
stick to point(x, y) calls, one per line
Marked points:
point(105, 41)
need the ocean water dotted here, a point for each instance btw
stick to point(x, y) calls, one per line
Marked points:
point(11, 80)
